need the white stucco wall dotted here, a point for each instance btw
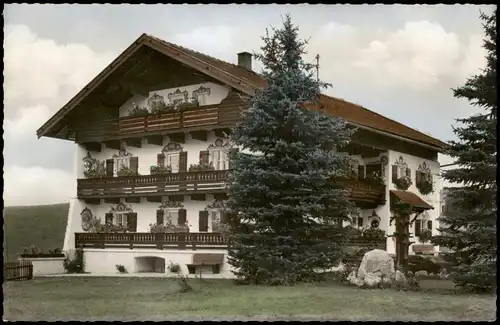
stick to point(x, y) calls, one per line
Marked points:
point(148, 152)
point(432, 199)
point(217, 94)
point(46, 265)
point(104, 261)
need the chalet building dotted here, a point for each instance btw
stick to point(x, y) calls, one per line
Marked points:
point(151, 159)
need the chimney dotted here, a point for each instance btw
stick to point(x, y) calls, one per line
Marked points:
point(245, 60)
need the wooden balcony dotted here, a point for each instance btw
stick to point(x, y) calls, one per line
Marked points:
point(212, 181)
point(200, 240)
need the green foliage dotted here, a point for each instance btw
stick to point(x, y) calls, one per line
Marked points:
point(425, 186)
point(139, 111)
point(201, 167)
point(76, 265)
point(186, 105)
point(425, 235)
point(120, 268)
point(160, 170)
point(126, 171)
point(419, 263)
point(468, 229)
point(94, 169)
point(36, 252)
point(285, 203)
point(167, 227)
point(174, 267)
point(44, 225)
point(402, 183)
point(109, 228)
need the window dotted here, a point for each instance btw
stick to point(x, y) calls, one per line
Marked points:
point(172, 160)
point(171, 216)
point(120, 219)
point(121, 162)
point(402, 171)
point(219, 159)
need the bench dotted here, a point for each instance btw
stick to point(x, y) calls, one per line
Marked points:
point(214, 260)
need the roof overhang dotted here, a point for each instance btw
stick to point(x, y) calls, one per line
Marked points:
point(410, 199)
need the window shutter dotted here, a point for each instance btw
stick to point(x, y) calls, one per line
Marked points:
point(223, 217)
point(418, 177)
point(108, 218)
point(231, 152)
point(203, 221)
point(394, 172)
point(429, 224)
point(132, 221)
point(204, 157)
point(183, 161)
point(429, 177)
point(418, 226)
point(134, 164)
point(160, 160)
point(109, 167)
point(181, 221)
point(360, 222)
point(361, 171)
point(408, 172)
point(159, 217)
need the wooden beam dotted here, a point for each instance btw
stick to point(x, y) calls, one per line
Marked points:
point(222, 132)
point(134, 142)
point(93, 146)
point(177, 198)
point(133, 199)
point(112, 200)
point(199, 135)
point(198, 197)
point(113, 144)
point(155, 139)
point(179, 137)
point(157, 199)
point(93, 201)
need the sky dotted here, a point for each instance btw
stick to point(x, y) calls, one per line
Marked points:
point(400, 61)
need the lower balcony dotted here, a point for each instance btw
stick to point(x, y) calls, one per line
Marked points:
point(365, 193)
point(138, 240)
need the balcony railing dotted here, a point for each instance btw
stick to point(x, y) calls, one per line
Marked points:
point(212, 181)
point(152, 124)
point(200, 240)
point(194, 240)
point(106, 187)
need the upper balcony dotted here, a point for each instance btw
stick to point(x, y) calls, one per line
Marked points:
point(206, 117)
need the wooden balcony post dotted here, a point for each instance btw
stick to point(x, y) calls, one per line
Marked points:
point(131, 240)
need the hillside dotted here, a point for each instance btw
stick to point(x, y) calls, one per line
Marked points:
point(43, 226)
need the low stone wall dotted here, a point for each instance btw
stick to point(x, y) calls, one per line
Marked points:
point(46, 265)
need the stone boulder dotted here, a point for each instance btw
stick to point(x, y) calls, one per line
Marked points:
point(378, 262)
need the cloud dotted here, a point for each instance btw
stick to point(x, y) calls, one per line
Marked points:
point(37, 186)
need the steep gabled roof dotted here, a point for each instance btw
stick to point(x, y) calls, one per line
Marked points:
point(247, 82)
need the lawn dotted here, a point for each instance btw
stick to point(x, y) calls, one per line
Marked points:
point(43, 226)
point(128, 299)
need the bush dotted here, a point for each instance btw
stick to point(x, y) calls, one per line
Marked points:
point(418, 263)
point(126, 171)
point(121, 268)
point(425, 236)
point(160, 170)
point(174, 267)
point(139, 111)
point(425, 187)
point(201, 167)
point(479, 277)
point(402, 183)
point(77, 265)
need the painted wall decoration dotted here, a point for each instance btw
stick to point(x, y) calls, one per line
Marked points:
point(156, 102)
point(86, 216)
point(172, 146)
point(400, 162)
point(200, 92)
point(167, 204)
point(219, 144)
point(216, 204)
point(423, 168)
point(121, 207)
point(122, 153)
point(178, 97)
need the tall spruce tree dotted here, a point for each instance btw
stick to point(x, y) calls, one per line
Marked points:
point(468, 228)
point(285, 204)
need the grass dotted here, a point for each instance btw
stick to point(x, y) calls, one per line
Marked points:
point(128, 299)
point(43, 226)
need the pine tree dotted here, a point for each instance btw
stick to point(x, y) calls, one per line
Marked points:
point(285, 207)
point(468, 229)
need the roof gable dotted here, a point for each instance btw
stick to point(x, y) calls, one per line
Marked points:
point(245, 81)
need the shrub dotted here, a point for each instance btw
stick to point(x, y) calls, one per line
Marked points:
point(187, 105)
point(174, 267)
point(425, 235)
point(126, 171)
point(201, 167)
point(121, 268)
point(138, 111)
point(160, 170)
point(418, 263)
point(402, 183)
point(77, 265)
point(109, 227)
point(425, 187)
